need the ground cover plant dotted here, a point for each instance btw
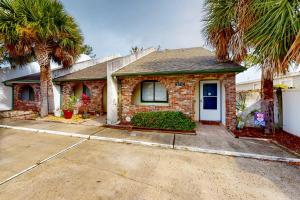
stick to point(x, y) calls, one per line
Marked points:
point(169, 120)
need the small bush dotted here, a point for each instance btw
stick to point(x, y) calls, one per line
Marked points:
point(169, 120)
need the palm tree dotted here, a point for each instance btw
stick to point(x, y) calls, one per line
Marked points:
point(136, 49)
point(268, 29)
point(43, 31)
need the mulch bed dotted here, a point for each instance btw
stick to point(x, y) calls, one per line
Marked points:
point(283, 138)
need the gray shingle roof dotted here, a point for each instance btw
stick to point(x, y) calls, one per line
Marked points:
point(32, 78)
point(95, 72)
point(178, 61)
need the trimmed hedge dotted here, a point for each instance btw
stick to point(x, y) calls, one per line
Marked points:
point(169, 120)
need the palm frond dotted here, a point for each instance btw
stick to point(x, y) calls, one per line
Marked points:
point(273, 32)
point(26, 23)
point(219, 25)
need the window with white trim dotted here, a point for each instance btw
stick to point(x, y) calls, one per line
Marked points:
point(153, 91)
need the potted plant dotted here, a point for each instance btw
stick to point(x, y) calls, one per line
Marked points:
point(85, 104)
point(68, 107)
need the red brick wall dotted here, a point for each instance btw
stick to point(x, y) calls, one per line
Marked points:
point(27, 105)
point(96, 90)
point(181, 98)
point(230, 101)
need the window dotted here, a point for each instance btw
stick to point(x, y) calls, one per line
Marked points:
point(27, 93)
point(86, 91)
point(153, 91)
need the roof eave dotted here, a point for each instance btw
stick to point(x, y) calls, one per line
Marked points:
point(9, 83)
point(237, 70)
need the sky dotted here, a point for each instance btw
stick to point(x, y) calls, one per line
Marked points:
point(114, 26)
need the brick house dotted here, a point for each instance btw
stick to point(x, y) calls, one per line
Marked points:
point(187, 80)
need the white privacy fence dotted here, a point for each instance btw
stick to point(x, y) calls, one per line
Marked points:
point(291, 111)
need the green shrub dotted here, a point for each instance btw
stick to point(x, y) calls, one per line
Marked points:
point(169, 120)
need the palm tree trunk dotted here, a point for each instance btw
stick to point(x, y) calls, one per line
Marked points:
point(42, 56)
point(50, 91)
point(267, 103)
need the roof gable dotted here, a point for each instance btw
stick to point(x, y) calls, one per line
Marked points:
point(191, 60)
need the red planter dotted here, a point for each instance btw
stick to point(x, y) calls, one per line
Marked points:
point(68, 114)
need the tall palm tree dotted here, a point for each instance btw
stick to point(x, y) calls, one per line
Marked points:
point(43, 31)
point(268, 29)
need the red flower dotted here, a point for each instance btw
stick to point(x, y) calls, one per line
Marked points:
point(85, 99)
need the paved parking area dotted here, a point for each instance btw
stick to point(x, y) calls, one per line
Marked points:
point(55, 126)
point(104, 170)
point(20, 149)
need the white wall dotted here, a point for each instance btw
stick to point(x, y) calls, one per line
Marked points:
point(112, 82)
point(56, 93)
point(291, 110)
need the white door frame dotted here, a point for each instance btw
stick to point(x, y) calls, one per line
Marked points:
point(206, 114)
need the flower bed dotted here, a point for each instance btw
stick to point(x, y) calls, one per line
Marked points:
point(76, 119)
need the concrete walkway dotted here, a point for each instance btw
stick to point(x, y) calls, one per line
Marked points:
point(208, 137)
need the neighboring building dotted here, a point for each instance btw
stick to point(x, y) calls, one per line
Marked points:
point(250, 81)
point(187, 80)
point(290, 80)
point(6, 73)
point(26, 89)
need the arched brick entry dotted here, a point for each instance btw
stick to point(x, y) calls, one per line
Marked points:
point(96, 93)
point(20, 104)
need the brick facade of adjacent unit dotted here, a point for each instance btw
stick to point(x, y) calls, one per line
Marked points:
point(181, 98)
point(20, 104)
point(96, 91)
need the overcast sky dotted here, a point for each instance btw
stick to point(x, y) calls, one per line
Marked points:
point(114, 26)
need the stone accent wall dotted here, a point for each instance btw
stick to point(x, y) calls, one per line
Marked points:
point(96, 91)
point(19, 104)
point(16, 114)
point(181, 98)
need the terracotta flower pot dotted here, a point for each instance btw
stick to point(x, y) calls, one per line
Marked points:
point(68, 114)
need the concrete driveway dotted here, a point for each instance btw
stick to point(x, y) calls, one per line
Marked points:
point(104, 170)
